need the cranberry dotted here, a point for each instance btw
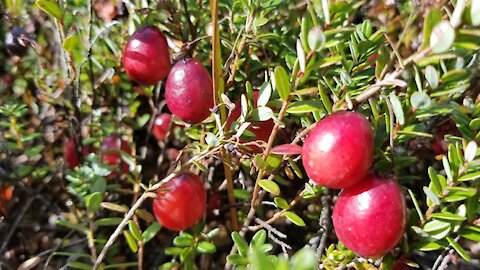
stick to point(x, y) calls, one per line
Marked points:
point(213, 205)
point(181, 202)
point(338, 152)
point(111, 152)
point(70, 154)
point(262, 130)
point(146, 58)
point(189, 91)
point(161, 126)
point(370, 217)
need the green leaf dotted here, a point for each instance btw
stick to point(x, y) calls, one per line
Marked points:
point(151, 231)
point(327, 104)
point(282, 82)
point(142, 120)
point(447, 216)
point(420, 100)
point(470, 151)
point(442, 37)
point(305, 106)
point(79, 265)
point(426, 246)
point(259, 238)
point(132, 244)
point(437, 187)
point(71, 42)
point(241, 244)
point(200, 165)
point(458, 249)
point(114, 207)
point(93, 202)
point(261, 114)
point(469, 176)
point(436, 226)
point(281, 202)
point(236, 259)
point(270, 186)
point(206, 247)
point(135, 230)
point(112, 221)
point(431, 195)
point(301, 56)
point(212, 140)
point(397, 108)
point(77, 227)
point(295, 218)
point(316, 39)
point(304, 259)
point(50, 7)
point(184, 240)
point(120, 265)
point(174, 251)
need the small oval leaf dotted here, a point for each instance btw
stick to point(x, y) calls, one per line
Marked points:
point(270, 186)
point(295, 218)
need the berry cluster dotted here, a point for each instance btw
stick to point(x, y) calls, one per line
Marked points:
point(370, 213)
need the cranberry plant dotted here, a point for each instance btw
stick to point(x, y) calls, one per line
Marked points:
point(105, 104)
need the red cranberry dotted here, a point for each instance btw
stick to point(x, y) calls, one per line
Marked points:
point(181, 202)
point(70, 154)
point(338, 152)
point(189, 91)
point(370, 217)
point(146, 58)
point(262, 130)
point(214, 204)
point(111, 152)
point(161, 126)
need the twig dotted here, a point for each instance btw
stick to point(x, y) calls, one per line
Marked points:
point(266, 153)
point(234, 66)
point(281, 213)
point(324, 223)
point(218, 90)
point(193, 32)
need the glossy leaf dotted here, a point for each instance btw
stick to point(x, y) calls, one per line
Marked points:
point(282, 82)
point(270, 186)
point(295, 218)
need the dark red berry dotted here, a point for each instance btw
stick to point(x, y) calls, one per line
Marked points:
point(146, 58)
point(262, 130)
point(181, 202)
point(110, 151)
point(70, 154)
point(338, 152)
point(161, 126)
point(370, 217)
point(188, 91)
